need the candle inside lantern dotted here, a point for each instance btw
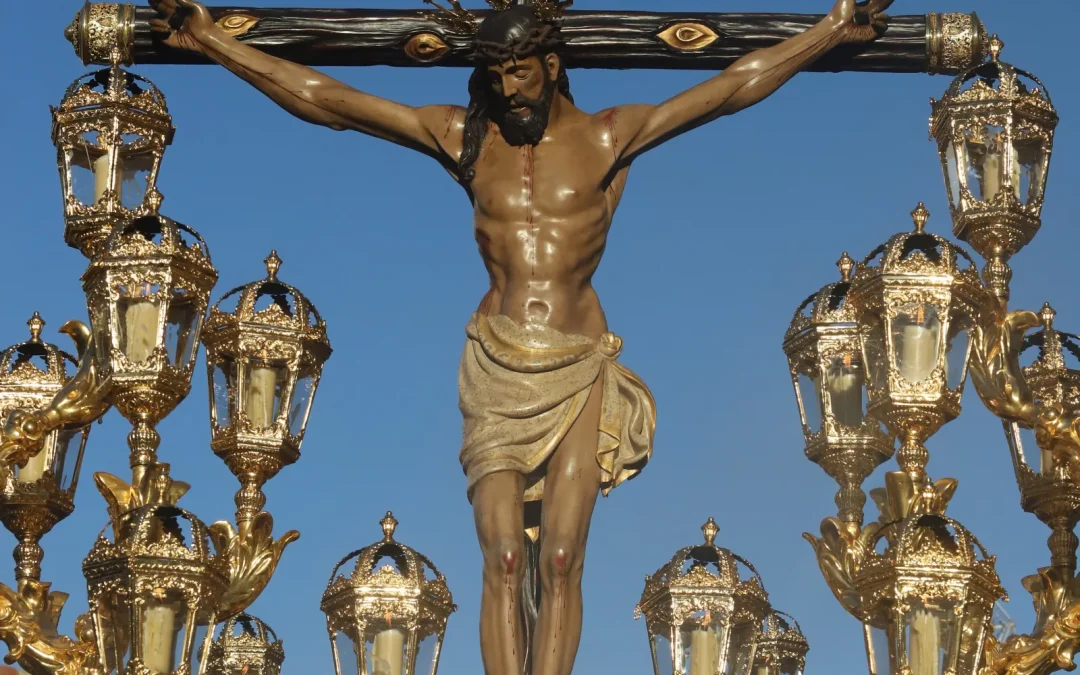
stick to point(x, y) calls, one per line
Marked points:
point(34, 469)
point(991, 172)
point(158, 638)
point(141, 326)
point(101, 177)
point(704, 651)
point(1047, 462)
point(387, 654)
point(845, 392)
point(924, 650)
point(918, 348)
point(262, 381)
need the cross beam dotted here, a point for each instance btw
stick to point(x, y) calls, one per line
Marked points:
point(934, 43)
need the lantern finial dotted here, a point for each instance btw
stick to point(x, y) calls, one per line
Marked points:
point(389, 525)
point(710, 530)
point(846, 265)
point(273, 264)
point(1047, 314)
point(920, 215)
point(996, 45)
point(36, 323)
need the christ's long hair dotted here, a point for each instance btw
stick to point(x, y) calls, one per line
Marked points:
point(478, 116)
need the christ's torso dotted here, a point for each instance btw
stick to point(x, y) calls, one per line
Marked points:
point(542, 215)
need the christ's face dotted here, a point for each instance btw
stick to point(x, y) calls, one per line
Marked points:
point(521, 95)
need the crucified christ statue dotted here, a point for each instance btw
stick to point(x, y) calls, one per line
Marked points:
point(551, 419)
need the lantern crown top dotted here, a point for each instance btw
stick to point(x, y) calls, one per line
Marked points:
point(782, 641)
point(918, 252)
point(271, 302)
point(162, 531)
point(388, 567)
point(993, 83)
point(34, 362)
point(245, 642)
point(707, 566)
point(1054, 376)
point(828, 305)
point(157, 235)
point(113, 90)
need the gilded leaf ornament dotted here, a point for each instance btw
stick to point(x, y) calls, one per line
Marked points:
point(250, 555)
point(28, 619)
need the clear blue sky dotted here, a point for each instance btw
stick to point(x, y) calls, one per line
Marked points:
point(721, 234)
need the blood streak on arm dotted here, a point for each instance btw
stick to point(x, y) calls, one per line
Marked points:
point(450, 114)
point(609, 120)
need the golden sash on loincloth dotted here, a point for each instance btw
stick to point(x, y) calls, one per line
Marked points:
point(521, 388)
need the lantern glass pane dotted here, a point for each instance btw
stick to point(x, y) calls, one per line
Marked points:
point(425, 655)
point(972, 637)
point(347, 659)
point(810, 395)
point(162, 626)
point(69, 450)
point(35, 466)
point(985, 150)
point(929, 626)
point(846, 384)
point(877, 646)
point(182, 328)
point(1026, 450)
point(953, 175)
point(116, 620)
point(134, 172)
point(88, 173)
point(224, 392)
point(663, 663)
point(138, 310)
point(384, 645)
point(874, 355)
point(916, 332)
point(1028, 169)
point(956, 351)
point(299, 407)
point(741, 649)
point(700, 648)
point(264, 387)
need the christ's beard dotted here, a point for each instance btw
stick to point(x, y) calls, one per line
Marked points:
point(527, 130)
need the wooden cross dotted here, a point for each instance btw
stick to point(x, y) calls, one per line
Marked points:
point(934, 43)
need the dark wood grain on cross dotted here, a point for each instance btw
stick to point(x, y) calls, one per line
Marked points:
point(618, 40)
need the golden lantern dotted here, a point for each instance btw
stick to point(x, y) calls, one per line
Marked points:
point(995, 132)
point(703, 610)
point(110, 132)
point(828, 373)
point(245, 646)
point(1047, 487)
point(266, 345)
point(150, 587)
point(929, 592)
point(781, 648)
point(389, 613)
point(916, 298)
point(147, 293)
point(36, 496)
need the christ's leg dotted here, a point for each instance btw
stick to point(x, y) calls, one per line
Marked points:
point(570, 489)
point(498, 507)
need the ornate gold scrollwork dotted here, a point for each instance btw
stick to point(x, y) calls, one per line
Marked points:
point(28, 620)
point(688, 36)
point(426, 47)
point(78, 403)
point(237, 24)
point(1052, 645)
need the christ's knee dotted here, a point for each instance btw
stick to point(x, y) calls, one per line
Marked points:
point(504, 563)
point(561, 561)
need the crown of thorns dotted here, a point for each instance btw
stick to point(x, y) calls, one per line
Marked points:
point(466, 22)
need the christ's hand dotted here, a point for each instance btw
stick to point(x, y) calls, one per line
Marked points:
point(860, 21)
point(184, 23)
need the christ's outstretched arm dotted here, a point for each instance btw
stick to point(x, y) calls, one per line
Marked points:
point(309, 94)
point(749, 80)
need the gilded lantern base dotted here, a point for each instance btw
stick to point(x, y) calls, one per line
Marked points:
point(30, 511)
point(1055, 500)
